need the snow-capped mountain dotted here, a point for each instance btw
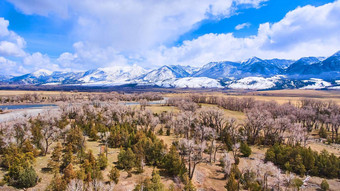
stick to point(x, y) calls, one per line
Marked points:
point(164, 73)
point(299, 66)
point(112, 75)
point(254, 73)
point(219, 70)
point(258, 67)
point(281, 63)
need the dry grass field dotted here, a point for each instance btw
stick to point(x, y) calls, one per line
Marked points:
point(22, 92)
point(280, 96)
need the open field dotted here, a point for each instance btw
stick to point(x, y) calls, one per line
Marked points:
point(280, 96)
point(23, 92)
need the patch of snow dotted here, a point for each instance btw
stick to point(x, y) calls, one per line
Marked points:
point(161, 74)
point(191, 82)
point(42, 72)
point(318, 84)
point(52, 84)
point(255, 83)
point(335, 88)
point(113, 75)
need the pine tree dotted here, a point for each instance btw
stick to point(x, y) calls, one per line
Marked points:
point(245, 149)
point(155, 184)
point(69, 174)
point(57, 183)
point(172, 162)
point(102, 161)
point(54, 162)
point(232, 184)
point(324, 185)
point(114, 175)
point(126, 160)
point(27, 178)
point(67, 157)
point(189, 186)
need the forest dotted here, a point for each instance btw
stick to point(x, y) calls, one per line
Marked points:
point(169, 147)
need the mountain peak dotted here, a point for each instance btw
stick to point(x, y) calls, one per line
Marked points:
point(337, 54)
point(252, 60)
point(42, 72)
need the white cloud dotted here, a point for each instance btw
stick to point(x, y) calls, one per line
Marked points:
point(305, 31)
point(253, 3)
point(132, 25)
point(242, 26)
point(37, 61)
point(127, 33)
point(7, 66)
point(87, 56)
point(11, 44)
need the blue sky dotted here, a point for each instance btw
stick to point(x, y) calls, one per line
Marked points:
point(77, 35)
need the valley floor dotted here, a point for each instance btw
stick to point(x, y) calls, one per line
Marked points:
point(208, 176)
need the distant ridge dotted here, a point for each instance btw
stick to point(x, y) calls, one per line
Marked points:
point(254, 73)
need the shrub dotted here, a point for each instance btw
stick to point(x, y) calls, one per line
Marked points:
point(232, 184)
point(126, 159)
point(102, 161)
point(27, 178)
point(114, 175)
point(168, 132)
point(297, 183)
point(245, 149)
point(160, 132)
point(323, 133)
point(173, 163)
point(324, 185)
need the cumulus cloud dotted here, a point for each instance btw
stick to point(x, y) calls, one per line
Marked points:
point(242, 26)
point(125, 32)
point(11, 44)
point(132, 25)
point(8, 67)
point(87, 56)
point(38, 61)
point(305, 31)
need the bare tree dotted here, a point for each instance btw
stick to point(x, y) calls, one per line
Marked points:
point(193, 154)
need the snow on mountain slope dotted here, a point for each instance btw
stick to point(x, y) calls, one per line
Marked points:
point(117, 74)
point(255, 83)
point(281, 63)
point(258, 67)
point(302, 65)
point(164, 73)
point(190, 82)
point(41, 73)
point(218, 70)
point(316, 84)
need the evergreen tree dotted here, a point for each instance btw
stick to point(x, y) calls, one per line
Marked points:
point(67, 157)
point(232, 184)
point(324, 185)
point(57, 184)
point(27, 178)
point(173, 163)
point(189, 186)
point(69, 174)
point(155, 183)
point(245, 149)
point(102, 161)
point(114, 175)
point(126, 160)
point(54, 162)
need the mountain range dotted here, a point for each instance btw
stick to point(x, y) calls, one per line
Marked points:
point(254, 73)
